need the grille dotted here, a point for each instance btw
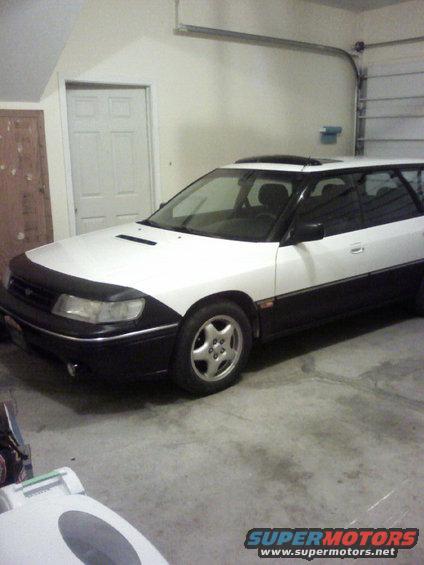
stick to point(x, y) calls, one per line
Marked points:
point(32, 294)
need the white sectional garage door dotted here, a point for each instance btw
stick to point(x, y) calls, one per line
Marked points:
point(108, 131)
point(392, 120)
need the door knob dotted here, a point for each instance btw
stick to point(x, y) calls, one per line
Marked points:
point(357, 248)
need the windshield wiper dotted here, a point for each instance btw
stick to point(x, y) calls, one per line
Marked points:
point(148, 223)
point(182, 229)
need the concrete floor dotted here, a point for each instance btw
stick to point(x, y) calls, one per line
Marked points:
point(325, 429)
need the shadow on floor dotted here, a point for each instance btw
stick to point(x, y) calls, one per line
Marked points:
point(48, 377)
point(316, 338)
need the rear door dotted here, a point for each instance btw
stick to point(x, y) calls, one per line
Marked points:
point(394, 234)
point(320, 279)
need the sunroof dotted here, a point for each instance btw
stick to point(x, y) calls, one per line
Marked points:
point(287, 160)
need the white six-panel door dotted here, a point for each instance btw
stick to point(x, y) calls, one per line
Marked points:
point(111, 170)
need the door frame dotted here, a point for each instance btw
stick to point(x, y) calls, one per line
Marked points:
point(152, 131)
point(39, 115)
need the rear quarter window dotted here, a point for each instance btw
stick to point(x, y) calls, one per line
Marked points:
point(384, 198)
point(415, 179)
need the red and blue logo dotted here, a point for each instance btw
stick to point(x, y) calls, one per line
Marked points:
point(338, 543)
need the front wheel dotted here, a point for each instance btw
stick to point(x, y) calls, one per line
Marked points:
point(419, 301)
point(4, 334)
point(212, 348)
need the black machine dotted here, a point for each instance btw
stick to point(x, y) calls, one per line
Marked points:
point(15, 456)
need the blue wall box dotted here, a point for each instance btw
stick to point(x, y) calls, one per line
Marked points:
point(329, 134)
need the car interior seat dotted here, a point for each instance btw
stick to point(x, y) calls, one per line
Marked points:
point(273, 197)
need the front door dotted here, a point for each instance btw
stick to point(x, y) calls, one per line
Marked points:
point(320, 279)
point(25, 214)
point(111, 169)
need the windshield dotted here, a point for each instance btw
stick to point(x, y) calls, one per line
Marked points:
point(238, 204)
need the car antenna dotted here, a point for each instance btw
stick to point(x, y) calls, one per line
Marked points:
point(307, 163)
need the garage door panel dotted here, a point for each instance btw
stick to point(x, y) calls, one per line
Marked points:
point(395, 128)
point(413, 106)
point(395, 86)
point(390, 149)
point(398, 130)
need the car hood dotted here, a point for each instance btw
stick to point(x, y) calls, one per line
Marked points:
point(168, 260)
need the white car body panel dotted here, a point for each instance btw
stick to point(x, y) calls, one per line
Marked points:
point(314, 263)
point(180, 270)
point(394, 244)
point(342, 164)
point(184, 268)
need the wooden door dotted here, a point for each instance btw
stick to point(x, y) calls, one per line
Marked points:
point(25, 213)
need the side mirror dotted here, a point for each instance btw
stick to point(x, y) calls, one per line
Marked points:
point(161, 205)
point(306, 231)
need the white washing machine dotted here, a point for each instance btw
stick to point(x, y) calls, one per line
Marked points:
point(50, 520)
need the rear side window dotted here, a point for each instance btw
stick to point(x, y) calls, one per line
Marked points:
point(334, 203)
point(384, 198)
point(415, 179)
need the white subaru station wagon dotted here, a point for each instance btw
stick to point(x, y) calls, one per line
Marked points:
point(253, 250)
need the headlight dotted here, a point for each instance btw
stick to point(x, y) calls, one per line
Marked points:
point(6, 277)
point(96, 312)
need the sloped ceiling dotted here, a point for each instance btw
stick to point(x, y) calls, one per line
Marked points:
point(32, 36)
point(358, 5)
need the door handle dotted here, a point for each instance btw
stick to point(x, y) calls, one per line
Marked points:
point(357, 248)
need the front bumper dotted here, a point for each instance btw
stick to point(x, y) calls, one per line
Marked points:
point(130, 353)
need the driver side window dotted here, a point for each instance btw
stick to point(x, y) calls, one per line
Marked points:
point(334, 203)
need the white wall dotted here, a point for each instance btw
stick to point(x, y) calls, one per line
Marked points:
point(32, 34)
point(217, 100)
point(393, 22)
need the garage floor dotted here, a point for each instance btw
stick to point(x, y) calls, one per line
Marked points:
point(325, 429)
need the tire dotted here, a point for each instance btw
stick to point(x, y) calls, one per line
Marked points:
point(212, 348)
point(419, 301)
point(4, 334)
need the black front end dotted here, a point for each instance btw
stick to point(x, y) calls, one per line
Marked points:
point(122, 349)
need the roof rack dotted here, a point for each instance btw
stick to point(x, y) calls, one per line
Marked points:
point(282, 160)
